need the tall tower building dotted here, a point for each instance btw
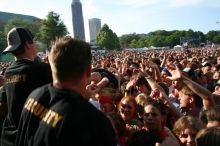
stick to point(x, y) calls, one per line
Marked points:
point(94, 27)
point(77, 18)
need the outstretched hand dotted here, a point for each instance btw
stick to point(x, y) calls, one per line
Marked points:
point(130, 84)
point(175, 72)
point(92, 89)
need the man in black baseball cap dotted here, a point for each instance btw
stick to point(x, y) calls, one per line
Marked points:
point(22, 77)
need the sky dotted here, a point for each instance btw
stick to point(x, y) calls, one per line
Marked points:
point(128, 16)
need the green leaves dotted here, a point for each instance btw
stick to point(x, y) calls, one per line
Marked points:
point(107, 39)
point(20, 22)
point(162, 38)
point(52, 28)
point(3, 41)
point(45, 31)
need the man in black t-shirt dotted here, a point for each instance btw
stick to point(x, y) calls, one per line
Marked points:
point(58, 114)
point(22, 77)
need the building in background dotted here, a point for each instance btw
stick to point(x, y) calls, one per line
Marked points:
point(77, 18)
point(94, 27)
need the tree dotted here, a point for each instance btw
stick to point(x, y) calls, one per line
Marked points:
point(216, 39)
point(142, 42)
point(52, 27)
point(107, 39)
point(134, 43)
point(125, 40)
point(3, 41)
point(211, 35)
point(116, 41)
point(34, 27)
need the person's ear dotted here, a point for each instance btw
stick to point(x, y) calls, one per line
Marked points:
point(191, 99)
point(27, 44)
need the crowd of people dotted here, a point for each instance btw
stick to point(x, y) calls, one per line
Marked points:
point(123, 98)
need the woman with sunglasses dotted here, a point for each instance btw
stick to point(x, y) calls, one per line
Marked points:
point(128, 111)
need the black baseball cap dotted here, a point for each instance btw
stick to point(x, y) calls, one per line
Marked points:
point(16, 36)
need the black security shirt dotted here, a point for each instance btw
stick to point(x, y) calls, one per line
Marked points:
point(60, 117)
point(22, 77)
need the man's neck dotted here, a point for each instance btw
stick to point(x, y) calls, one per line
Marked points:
point(24, 56)
point(69, 85)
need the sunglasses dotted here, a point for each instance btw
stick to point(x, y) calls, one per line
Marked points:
point(126, 106)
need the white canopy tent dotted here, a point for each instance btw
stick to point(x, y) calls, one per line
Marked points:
point(177, 47)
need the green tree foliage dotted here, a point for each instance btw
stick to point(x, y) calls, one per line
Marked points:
point(213, 36)
point(107, 39)
point(52, 27)
point(134, 43)
point(142, 43)
point(3, 41)
point(162, 38)
point(126, 39)
point(116, 41)
point(172, 40)
point(216, 38)
point(20, 22)
point(160, 33)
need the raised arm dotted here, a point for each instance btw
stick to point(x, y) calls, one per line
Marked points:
point(154, 86)
point(205, 94)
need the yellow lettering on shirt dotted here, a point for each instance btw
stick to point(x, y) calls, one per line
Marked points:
point(29, 104)
point(48, 116)
point(45, 119)
point(57, 118)
point(16, 78)
point(38, 109)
